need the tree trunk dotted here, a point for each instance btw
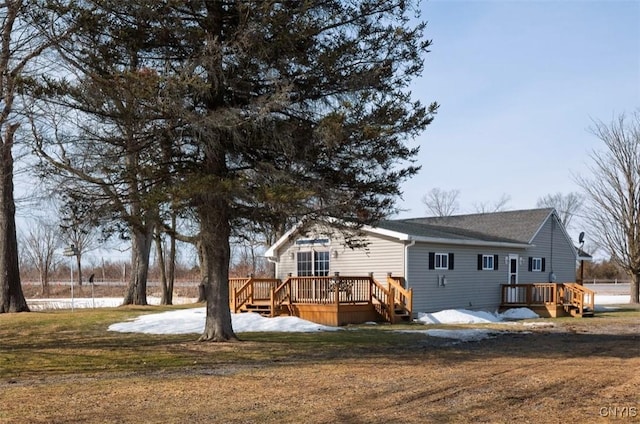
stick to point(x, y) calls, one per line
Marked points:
point(44, 283)
point(215, 231)
point(634, 288)
point(140, 252)
point(79, 264)
point(11, 295)
point(172, 261)
point(202, 297)
point(165, 299)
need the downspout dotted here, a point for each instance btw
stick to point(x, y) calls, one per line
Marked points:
point(406, 261)
point(273, 260)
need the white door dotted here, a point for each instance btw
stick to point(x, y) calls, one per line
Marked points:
point(512, 293)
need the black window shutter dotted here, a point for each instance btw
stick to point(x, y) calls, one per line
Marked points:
point(495, 262)
point(530, 263)
point(450, 260)
point(432, 260)
point(542, 264)
point(479, 262)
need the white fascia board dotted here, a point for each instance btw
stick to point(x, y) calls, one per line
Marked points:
point(541, 226)
point(271, 251)
point(482, 243)
point(388, 233)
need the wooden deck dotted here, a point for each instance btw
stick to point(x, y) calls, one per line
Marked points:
point(336, 300)
point(549, 299)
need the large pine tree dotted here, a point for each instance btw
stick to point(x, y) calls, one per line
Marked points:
point(300, 106)
point(266, 111)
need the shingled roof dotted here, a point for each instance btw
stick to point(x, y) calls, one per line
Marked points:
point(509, 227)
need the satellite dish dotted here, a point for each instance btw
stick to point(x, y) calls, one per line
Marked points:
point(581, 237)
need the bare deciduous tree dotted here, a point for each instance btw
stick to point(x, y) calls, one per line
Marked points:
point(78, 229)
point(613, 190)
point(19, 46)
point(441, 202)
point(39, 246)
point(567, 205)
point(489, 207)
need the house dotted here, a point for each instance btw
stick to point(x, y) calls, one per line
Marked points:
point(448, 262)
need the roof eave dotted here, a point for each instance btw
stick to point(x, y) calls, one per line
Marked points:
point(482, 243)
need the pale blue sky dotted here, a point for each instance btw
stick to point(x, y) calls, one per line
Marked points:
point(519, 83)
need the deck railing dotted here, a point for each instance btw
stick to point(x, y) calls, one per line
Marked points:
point(569, 295)
point(241, 296)
point(387, 301)
point(403, 297)
point(530, 294)
point(577, 296)
point(382, 299)
point(279, 296)
point(326, 290)
point(248, 290)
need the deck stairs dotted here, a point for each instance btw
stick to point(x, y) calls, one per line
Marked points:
point(263, 309)
point(401, 314)
point(577, 300)
point(550, 299)
point(575, 311)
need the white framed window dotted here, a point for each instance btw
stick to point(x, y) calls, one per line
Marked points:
point(487, 262)
point(536, 264)
point(441, 261)
point(313, 263)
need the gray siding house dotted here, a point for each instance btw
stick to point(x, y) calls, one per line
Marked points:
point(449, 262)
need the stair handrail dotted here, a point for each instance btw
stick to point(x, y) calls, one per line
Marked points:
point(385, 296)
point(277, 296)
point(242, 296)
point(403, 296)
point(576, 294)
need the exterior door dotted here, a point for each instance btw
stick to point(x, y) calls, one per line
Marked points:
point(512, 293)
point(513, 269)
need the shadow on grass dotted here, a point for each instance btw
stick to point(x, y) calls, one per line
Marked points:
point(64, 342)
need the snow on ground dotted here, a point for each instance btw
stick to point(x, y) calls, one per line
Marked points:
point(602, 301)
point(98, 302)
point(468, 335)
point(463, 316)
point(192, 320)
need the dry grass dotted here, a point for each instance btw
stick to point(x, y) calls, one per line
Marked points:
point(63, 367)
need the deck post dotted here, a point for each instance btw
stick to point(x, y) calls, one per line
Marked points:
point(233, 300)
point(391, 303)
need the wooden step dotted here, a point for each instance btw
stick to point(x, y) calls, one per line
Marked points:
point(264, 310)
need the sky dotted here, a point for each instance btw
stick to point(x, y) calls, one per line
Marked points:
point(519, 83)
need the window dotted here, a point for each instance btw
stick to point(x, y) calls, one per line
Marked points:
point(440, 260)
point(536, 264)
point(312, 264)
point(305, 264)
point(487, 262)
point(321, 264)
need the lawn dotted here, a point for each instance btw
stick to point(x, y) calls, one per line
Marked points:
point(64, 367)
